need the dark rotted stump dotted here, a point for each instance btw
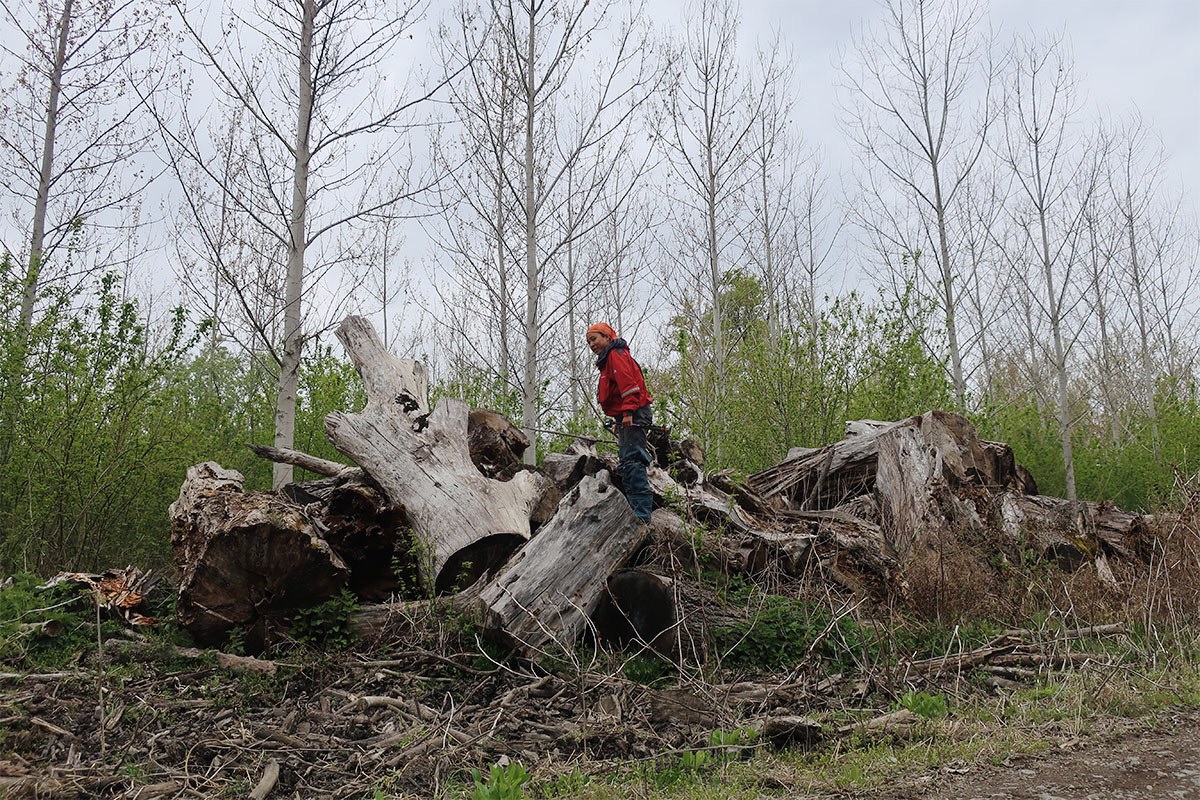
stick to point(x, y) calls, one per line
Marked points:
point(638, 608)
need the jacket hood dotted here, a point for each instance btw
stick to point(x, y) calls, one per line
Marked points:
point(615, 344)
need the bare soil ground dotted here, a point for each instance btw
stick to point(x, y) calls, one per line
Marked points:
point(1128, 762)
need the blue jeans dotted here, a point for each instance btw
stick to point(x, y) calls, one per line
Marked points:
point(633, 456)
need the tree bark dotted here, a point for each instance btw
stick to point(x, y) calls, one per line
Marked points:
point(246, 561)
point(464, 524)
point(545, 596)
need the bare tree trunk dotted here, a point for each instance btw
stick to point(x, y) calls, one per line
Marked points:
point(1054, 309)
point(1106, 367)
point(45, 173)
point(532, 285)
point(293, 338)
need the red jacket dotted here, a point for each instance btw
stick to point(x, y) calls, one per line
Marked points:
point(622, 386)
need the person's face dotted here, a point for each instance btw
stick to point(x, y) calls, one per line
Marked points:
point(597, 342)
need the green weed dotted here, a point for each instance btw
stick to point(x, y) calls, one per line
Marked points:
point(929, 706)
point(502, 783)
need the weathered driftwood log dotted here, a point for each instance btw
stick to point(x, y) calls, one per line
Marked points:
point(245, 561)
point(545, 595)
point(569, 468)
point(1070, 533)
point(464, 523)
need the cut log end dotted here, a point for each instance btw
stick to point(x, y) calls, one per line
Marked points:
point(639, 607)
point(479, 558)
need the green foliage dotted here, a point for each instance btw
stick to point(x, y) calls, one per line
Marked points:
point(791, 380)
point(1134, 462)
point(721, 748)
point(649, 670)
point(898, 376)
point(780, 632)
point(24, 605)
point(568, 785)
point(1033, 436)
point(221, 403)
point(327, 383)
point(85, 432)
point(926, 705)
point(479, 389)
point(502, 783)
point(327, 625)
point(102, 411)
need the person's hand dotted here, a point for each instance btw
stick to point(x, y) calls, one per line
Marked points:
point(627, 420)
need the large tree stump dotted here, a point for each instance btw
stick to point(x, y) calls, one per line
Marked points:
point(464, 524)
point(916, 465)
point(544, 597)
point(929, 484)
point(824, 478)
point(246, 561)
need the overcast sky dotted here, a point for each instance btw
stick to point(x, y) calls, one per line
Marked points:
point(1129, 54)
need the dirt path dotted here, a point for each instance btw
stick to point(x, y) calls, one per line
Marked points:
point(1137, 764)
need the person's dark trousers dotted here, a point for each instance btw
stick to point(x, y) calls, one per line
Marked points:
point(633, 458)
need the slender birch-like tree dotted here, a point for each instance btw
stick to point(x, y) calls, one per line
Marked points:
point(327, 124)
point(546, 120)
point(919, 108)
point(72, 130)
point(1056, 174)
point(706, 128)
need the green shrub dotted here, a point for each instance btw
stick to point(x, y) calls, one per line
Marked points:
point(649, 670)
point(326, 626)
point(66, 609)
point(930, 706)
point(780, 632)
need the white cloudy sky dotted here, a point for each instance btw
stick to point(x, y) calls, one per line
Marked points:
point(1129, 54)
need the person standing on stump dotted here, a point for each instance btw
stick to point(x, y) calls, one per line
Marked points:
point(623, 396)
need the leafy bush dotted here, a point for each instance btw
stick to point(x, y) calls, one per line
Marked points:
point(649, 670)
point(930, 706)
point(780, 632)
point(65, 610)
point(327, 626)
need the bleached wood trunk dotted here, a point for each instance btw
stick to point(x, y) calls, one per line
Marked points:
point(464, 524)
point(545, 596)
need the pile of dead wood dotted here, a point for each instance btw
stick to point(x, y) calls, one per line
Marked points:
point(439, 504)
